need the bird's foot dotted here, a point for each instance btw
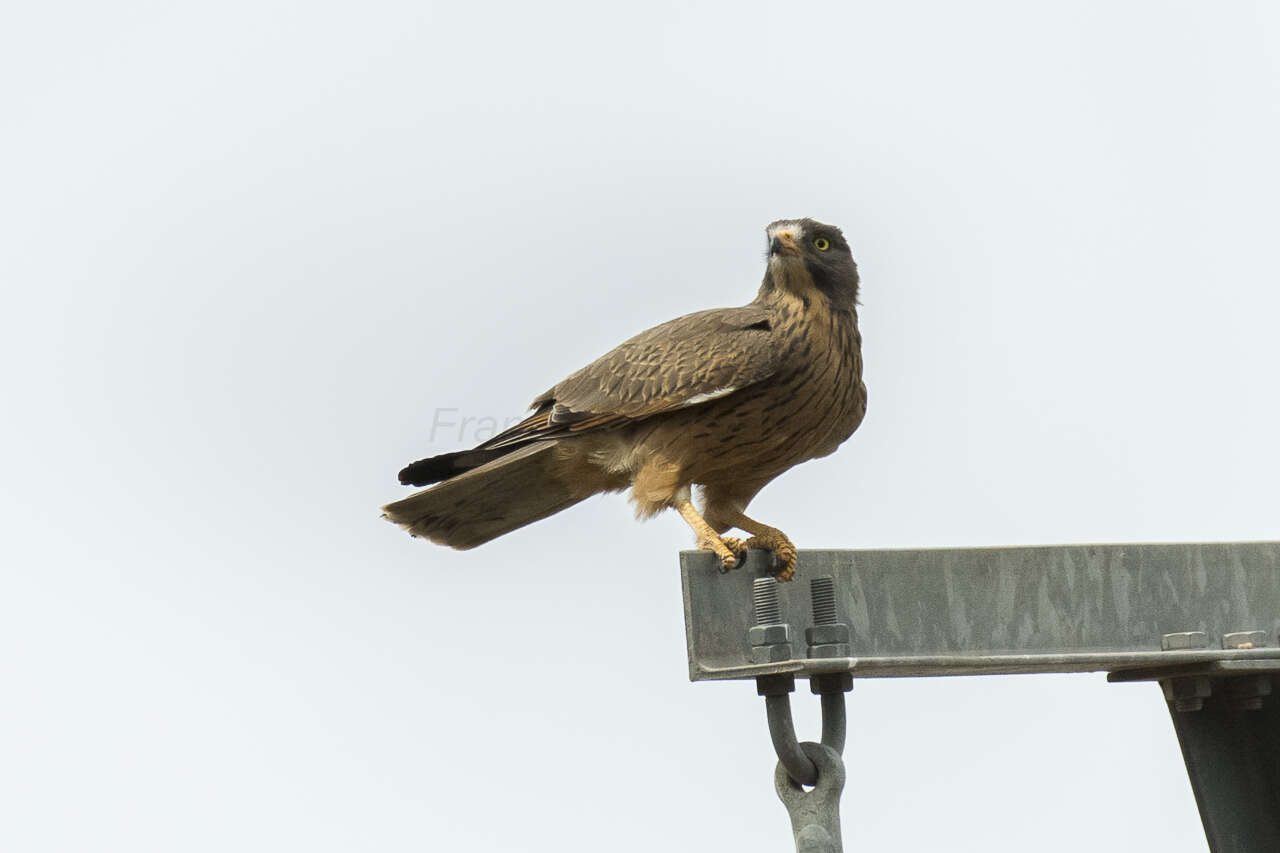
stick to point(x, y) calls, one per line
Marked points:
point(737, 546)
point(784, 551)
point(720, 547)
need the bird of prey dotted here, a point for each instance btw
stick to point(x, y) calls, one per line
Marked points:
point(725, 400)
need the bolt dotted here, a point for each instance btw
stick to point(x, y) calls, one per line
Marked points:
point(829, 637)
point(822, 593)
point(764, 598)
point(1246, 692)
point(821, 635)
point(1186, 694)
point(1184, 641)
point(769, 637)
point(831, 682)
point(775, 685)
point(1244, 640)
point(772, 653)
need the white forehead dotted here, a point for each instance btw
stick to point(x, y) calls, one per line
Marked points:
point(794, 227)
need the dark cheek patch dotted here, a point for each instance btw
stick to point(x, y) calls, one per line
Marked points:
point(821, 275)
point(839, 288)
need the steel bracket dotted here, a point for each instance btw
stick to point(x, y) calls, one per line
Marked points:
point(1140, 612)
point(1228, 727)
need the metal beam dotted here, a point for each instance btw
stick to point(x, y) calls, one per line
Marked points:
point(962, 611)
point(1232, 754)
point(1201, 619)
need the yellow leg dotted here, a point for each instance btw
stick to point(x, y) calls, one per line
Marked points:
point(708, 539)
point(763, 536)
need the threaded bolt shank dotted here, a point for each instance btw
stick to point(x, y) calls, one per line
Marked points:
point(822, 592)
point(764, 599)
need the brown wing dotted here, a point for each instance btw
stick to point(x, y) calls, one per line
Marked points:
point(684, 362)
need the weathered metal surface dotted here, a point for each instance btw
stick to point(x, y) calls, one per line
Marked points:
point(815, 814)
point(1232, 752)
point(956, 611)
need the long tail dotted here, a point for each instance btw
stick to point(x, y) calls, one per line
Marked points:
point(433, 469)
point(483, 502)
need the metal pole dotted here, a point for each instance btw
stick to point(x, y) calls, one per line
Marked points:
point(1232, 750)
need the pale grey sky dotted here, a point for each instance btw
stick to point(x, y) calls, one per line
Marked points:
point(250, 250)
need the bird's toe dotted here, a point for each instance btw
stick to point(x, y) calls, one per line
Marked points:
point(736, 545)
point(783, 550)
point(728, 556)
point(785, 557)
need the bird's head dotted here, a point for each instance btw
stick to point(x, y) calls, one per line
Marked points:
point(808, 258)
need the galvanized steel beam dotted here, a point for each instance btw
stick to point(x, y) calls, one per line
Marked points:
point(964, 611)
point(1200, 619)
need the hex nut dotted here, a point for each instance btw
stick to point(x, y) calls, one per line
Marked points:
point(830, 650)
point(773, 653)
point(1245, 693)
point(1244, 640)
point(821, 634)
point(1184, 640)
point(831, 682)
point(1186, 694)
point(766, 635)
point(778, 684)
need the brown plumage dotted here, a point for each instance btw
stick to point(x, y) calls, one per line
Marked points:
point(725, 399)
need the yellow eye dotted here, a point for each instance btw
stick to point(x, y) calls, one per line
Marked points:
point(821, 244)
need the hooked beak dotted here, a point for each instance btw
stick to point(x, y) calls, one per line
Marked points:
point(783, 243)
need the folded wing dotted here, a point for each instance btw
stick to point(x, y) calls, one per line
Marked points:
point(688, 361)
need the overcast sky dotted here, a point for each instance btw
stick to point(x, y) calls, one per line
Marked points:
point(252, 252)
